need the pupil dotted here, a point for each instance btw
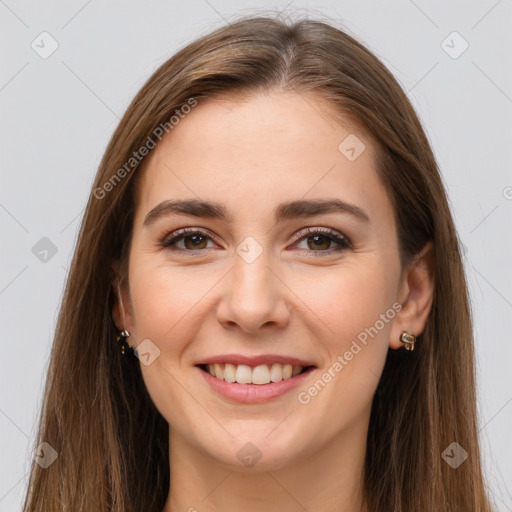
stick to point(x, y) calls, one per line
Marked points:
point(318, 241)
point(195, 240)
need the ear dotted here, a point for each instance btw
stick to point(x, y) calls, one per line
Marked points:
point(416, 295)
point(122, 313)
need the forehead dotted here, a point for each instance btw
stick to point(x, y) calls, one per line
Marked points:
point(259, 150)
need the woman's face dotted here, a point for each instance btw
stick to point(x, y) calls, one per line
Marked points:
point(274, 281)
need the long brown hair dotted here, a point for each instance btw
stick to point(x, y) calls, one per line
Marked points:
point(111, 441)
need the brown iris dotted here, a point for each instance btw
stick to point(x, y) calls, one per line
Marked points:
point(196, 241)
point(318, 245)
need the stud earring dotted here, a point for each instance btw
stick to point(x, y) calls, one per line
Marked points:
point(121, 339)
point(408, 340)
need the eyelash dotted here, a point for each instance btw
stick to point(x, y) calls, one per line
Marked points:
point(343, 242)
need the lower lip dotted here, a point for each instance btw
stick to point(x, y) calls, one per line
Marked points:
point(254, 393)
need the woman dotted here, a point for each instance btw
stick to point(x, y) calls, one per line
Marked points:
point(269, 241)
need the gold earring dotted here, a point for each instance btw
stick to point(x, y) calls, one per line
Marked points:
point(121, 339)
point(408, 340)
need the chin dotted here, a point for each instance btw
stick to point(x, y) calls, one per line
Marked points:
point(254, 449)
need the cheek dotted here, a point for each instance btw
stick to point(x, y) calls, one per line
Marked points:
point(348, 299)
point(354, 310)
point(166, 304)
point(167, 301)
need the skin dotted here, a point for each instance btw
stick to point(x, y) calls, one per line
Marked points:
point(250, 154)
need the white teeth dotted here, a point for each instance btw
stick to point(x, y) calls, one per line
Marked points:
point(261, 374)
point(276, 372)
point(229, 372)
point(243, 374)
point(219, 372)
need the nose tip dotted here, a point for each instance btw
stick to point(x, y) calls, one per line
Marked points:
point(253, 298)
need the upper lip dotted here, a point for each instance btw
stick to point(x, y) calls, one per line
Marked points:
point(255, 360)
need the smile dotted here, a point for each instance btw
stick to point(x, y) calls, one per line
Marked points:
point(260, 375)
point(254, 379)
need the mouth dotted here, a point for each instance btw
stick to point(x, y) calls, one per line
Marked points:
point(260, 375)
point(254, 379)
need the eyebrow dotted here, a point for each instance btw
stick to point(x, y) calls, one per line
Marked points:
point(284, 211)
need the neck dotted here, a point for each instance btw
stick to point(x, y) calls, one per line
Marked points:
point(329, 479)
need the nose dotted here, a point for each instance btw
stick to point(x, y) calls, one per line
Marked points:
point(253, 297)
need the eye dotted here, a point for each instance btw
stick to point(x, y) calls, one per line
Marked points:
point(187, 239)
point(318, 241)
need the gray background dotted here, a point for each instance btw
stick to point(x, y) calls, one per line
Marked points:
point(58, 113)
